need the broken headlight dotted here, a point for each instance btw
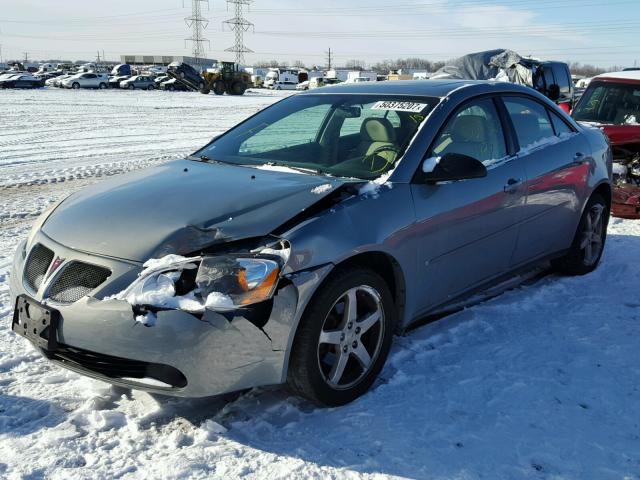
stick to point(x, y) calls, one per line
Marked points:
point(193, 284)
point(228, 282)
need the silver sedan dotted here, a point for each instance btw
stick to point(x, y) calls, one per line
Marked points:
point(292, 247)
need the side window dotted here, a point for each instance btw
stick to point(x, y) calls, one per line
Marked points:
point(563, 81)
point(559, 125)
point(530, 120)
point(352, 125)
point(548, 76)
point(299, 128)
point(474, 131)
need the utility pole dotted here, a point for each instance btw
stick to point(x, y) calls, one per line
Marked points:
point(197, 23)
point(0, 53)
point(239, 24)
point(329, 59)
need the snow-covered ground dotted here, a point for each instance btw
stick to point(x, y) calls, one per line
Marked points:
point(542, 382)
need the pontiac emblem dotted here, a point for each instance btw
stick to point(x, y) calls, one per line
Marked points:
point(54, 266)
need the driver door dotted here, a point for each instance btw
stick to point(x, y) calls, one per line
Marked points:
point(467, 229)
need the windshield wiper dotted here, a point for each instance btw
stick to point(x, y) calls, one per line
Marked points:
point(316, 171)
point(203, 158)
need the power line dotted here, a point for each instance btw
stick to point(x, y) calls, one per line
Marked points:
point(197, 23)
point(239, 25)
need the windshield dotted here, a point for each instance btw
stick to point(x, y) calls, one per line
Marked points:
point(361, 136)
point(611, 103)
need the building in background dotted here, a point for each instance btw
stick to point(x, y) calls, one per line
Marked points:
point(164, 60)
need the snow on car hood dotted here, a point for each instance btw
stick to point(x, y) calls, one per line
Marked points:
point(180, 207)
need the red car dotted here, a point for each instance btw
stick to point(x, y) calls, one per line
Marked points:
point(612, 102)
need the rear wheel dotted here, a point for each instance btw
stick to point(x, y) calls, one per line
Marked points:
point(102, 86)
point(343, 339)
point(238, 88)
point(150, 87)
point(131, 86)
point(588, 244)
point(75, 86)
point(171, 88)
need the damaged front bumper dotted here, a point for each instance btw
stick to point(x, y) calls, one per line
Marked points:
point(626, 201)
point(182, 354)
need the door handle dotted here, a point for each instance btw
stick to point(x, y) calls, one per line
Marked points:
point(512, 185)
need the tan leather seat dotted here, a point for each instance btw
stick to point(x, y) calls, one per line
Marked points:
point(374, 134)
point(468, 136)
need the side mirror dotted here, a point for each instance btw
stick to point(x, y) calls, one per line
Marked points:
point(553, 92)
point(452, 166)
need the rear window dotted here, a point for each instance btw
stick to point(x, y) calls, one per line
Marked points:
point(611, 103)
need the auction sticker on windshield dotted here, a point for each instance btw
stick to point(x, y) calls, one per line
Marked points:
point(400, 106)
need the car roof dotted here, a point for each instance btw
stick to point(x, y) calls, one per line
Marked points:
point(426, 88)
point(628, 75)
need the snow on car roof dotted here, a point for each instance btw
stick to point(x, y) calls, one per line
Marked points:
point(628, 75)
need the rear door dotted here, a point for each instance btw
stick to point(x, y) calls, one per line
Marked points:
point(555, 158)
point(467, 229)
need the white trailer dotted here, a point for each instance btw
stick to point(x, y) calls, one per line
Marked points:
point(285, 76)
point(361, 76)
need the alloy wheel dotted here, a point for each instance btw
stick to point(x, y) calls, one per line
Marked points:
point(351, 337)
point(591, 243)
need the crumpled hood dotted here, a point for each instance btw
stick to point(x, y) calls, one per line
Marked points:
point(180, 207)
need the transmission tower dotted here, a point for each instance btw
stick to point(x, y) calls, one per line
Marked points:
point(239, 25)
point(197, 23)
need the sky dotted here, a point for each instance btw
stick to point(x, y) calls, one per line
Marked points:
point(600, 32)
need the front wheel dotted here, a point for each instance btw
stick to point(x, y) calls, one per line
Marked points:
point(75, 86)
point(150, 87)
point(343, 339)
point(131, 86)
point(588, 244)
point(102, 86)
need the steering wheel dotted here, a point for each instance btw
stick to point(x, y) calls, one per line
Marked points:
point(376, 157)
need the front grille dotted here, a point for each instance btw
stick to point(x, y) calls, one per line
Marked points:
point(117, 367)
point(76, 280)
point(37, 264)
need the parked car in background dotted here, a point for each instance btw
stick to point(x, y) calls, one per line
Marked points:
point(282, 85)
point(172, 85)
point(21, 80)
point(57, 81)
point(86, 80)
point(612, 103)
point(291, 248)
point(141, 82)
point(114, 81)
point(303, 85)
point(161, 79)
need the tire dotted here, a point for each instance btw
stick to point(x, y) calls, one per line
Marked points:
point(102, 86)
point(218, 88)
point(150, 87)
point(311, 373)
point(171, 88)
point(238, 88)
point(131, 86)
point(588, 244)
point(75, 86)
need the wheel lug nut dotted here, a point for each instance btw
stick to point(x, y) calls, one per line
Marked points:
point(354, 344)
point(357, 329)
point(342, 337)
point(344, 349)
point(349, 325)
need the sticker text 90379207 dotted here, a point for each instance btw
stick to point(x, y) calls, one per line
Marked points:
point(399, 106)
